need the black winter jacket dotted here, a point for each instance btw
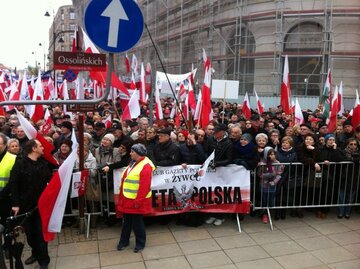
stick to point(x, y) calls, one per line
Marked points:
point(167, 154)
point(28, 180)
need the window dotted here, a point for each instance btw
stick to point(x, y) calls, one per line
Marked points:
point(72, 15)
point(72, 27)
point(305, 40)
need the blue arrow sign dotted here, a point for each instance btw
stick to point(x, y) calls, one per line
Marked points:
point(114, 25)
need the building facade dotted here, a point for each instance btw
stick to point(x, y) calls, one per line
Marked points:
point(247, 40)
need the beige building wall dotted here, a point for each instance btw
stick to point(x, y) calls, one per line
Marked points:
point(246, 41)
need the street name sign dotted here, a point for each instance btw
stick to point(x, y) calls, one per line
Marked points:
point(114, 25)
point(79, 61)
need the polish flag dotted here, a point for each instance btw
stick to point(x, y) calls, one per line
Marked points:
point(205, 109)
point(53, 199)
point(158, 108)
point(24, 91)
point(246, 111)
point(260, 107)
point(191, 103)
point(285, 88)
point(14, 95)
point(332, 121)
point(132, 110)
point(46, 127)
point(52, 89)
point(299, 117)
point(107, 122)
point(36, 112)
point(142, 85)
point(133, 82)
point(31, 133)
point(134, 64)
point(78, 183)
point(3, 98)
point(355, 120)
point(341, 100)
point(127, 63)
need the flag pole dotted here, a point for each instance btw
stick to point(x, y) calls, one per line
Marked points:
point(223, 115)
point(199, 117)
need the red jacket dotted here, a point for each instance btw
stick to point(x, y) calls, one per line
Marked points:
point(141, 204)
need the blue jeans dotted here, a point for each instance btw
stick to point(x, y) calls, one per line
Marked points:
point(268, 196)
point(345, 198)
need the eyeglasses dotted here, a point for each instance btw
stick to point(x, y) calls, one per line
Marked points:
point(352, 144)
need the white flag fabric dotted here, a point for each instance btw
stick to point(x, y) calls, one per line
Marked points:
point(299, 117)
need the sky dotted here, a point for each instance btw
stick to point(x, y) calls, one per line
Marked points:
point(25, 26)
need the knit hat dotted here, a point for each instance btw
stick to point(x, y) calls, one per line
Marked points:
point(346, 122)
point(139, 149)
point(111, 137)
point(247, 137)
point(267, 150)
point(328, 136)
point(67, 125)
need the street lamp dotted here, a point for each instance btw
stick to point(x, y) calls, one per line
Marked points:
point(43, 45)
point(53, 42)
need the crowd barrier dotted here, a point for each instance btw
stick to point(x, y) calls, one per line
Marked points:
point(300, 186)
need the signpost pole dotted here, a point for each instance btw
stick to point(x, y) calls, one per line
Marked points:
point(81, 168)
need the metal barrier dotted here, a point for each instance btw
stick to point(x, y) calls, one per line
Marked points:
point(300, 186)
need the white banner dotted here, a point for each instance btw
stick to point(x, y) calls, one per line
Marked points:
point(176, 190)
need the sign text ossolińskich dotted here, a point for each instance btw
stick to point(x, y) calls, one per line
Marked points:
point(79, 61)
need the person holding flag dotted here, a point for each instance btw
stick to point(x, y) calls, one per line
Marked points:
point(28, 179)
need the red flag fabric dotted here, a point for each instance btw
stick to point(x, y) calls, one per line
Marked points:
point(107, 122)
point(285, 88)
point(355, 120)
point(46, 127)
point(142, 84)
point(205, 109)
point(127, 64)
point(246, 111)
point(333, 112)
point(53, 199)
point(132, 110)
point(260, 107)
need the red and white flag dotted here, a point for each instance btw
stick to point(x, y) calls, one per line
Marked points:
point(36, 112)
point(107, 122)
point(260, 107)
point(46, 127)
point(355, 120)
point(143, 84)
point(14, 95)
point(132, 110)
point(78, 183)
point(341, 99)
point(299, 117)
point(246, 111)
point(127, 63)
point(134, 64)
point(205, 109)
point(53, 199)
point(31, 133)
point(332, 121)
point(285, 88)
point(191, 103)
point(158, 108)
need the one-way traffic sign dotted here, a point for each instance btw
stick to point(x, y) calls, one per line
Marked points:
point(114, 25)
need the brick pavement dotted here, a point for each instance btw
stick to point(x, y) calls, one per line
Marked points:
point(294, 243)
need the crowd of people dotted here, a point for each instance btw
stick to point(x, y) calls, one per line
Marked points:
point(261, 142)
